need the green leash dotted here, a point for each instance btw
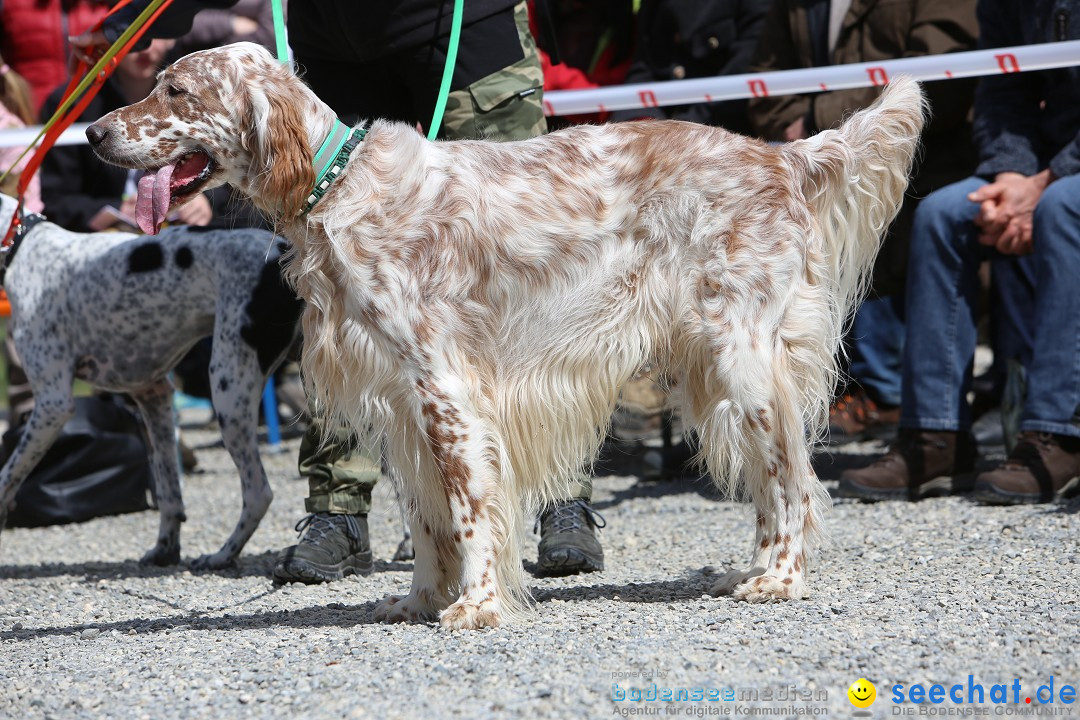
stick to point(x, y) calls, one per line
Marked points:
point(340, 142)
point(279, 32)
point(448, 70)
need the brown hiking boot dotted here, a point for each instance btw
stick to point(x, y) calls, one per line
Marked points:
point(1040, 467)
point(920, 464)
point(856, 416)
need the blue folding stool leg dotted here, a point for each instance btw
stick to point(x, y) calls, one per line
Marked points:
point(270, 410)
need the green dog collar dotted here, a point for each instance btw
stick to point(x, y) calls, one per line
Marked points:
point(333, 156)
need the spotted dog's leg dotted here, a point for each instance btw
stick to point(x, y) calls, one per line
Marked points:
point(766, 529)
point(155, 405)
point(428, 593)
point(753, 422)
point(53, 406)
point(457, 439)
point(790, 499)
point(236, 383)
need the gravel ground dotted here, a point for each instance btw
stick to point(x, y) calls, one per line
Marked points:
point(925, 593)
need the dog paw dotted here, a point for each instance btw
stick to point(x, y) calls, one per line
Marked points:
point(407, 609)
point(213, 561)
point(768, 588)
point(467, 615)
point(726, 583)
point(161, 555)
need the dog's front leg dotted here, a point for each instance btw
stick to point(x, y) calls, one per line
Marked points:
point(428, 594)
point(236, 385)
point(458, 442)
point(155, 404)
point(52, 409)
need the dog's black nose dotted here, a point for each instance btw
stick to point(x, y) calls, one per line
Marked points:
point(95, 134)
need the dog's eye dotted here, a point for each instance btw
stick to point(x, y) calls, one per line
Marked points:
point(174, 90)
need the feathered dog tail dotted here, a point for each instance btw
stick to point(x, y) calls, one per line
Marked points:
point(855, 177)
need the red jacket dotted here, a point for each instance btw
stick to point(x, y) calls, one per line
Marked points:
point(33, 38)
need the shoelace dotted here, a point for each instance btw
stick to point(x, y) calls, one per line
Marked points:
point(318, 525)
point(567, 517)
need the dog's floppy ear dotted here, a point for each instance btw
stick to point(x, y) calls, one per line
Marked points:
point(277, 138)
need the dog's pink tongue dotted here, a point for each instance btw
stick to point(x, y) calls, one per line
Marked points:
point(152, 204)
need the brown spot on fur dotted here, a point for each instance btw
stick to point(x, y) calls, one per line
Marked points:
point(763, 416)
point(468, 533)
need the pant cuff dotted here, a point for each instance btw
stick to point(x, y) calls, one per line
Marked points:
point(339, 503)
point(1067, 429)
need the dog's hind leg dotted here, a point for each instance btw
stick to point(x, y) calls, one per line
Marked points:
point(155, 405)
point(53, 406)
point(762, 423)
point(236, 383)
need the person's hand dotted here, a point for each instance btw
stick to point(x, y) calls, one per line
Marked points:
point(796, 130)
point(243, 25)
point(196, 211)
point(127, 205)
point(90, 46)
point(1006, 208)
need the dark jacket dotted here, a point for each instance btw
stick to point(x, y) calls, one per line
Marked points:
point(360, 30)
point(680, 39)
point(794, 36)
point(1026, 122)
point(872, 30)
point(76, 184)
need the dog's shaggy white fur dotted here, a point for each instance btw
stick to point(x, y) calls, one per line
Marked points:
point(482, 303)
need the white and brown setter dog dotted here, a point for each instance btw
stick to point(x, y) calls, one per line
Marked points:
point(481, 303)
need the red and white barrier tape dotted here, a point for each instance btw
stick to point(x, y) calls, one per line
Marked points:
point(1023, 58)
point(976, 63)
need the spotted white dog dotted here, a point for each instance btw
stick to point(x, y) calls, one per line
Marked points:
point(119, 311)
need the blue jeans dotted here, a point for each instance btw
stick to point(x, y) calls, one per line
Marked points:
point(1041, 295)
point(877, 347)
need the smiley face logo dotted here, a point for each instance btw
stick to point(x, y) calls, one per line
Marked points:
point(862, 693)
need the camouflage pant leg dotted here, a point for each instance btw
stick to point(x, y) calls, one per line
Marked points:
point(341, 472)
point(506, 105)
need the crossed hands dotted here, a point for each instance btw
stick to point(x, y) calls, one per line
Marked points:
point(1006, 207)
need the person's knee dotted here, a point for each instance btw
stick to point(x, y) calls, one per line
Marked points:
point(940, 215)
point(1057, 211)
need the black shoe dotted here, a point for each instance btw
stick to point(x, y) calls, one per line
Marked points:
point(330, 547)
point(568, 543)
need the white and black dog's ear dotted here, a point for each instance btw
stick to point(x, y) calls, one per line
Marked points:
point(8, 205)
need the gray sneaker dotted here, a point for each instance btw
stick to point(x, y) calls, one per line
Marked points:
point(330, 547)
point(568, 543)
